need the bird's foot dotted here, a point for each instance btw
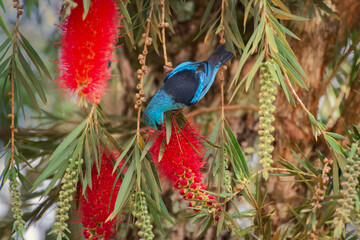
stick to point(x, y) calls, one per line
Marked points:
point(168, 69)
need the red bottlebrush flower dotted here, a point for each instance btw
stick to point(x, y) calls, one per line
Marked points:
point(86, 49)
point(181, 162)
point(183, 153)
point(96, 208)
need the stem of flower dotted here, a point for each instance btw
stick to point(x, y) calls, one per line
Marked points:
point(12, 80)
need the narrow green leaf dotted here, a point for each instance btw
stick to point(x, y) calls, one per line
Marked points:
point(5, 44)
point(259, 32)
point(54, 165)
point(122, 155)
point(27, 88)
point(206, 13)
point(5, 29)
point(247, 10)
point(29, 49)
point(215, 131)
point(68, 140)
point(235, 144)
point(220, 224)
point(286, 16)
point(205, 226)
point(124, 12)
point(335, 135)
point(168, 124)
point(333, 143)
point(251, 74)
point(30, 74)
point(2, 6)
point(86, 4)
point(124, 192)
point(242, 61)
point(270, 38)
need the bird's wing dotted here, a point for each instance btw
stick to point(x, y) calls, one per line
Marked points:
point(182, 83)
point(181, 67)
point(204, 73)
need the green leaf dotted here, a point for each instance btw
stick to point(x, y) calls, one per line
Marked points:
point(86, 4)
point(259, 32)
point(124, 12)
point(233, 141)
point(205, 226)
point(27, 88)
point(2, 6)
point(220, 224)
point(31, 51)
point(242, 61)
point(335, 135)
point(286, 16)
point(54, 164)
point(5, 29)
point(270, 38)
point(30, 74)
point(333, 143)
point(306, 164)
point(168, 126)
point(215, 131)
point(163, 212)
point(4, 45)
point(251, 74)
point(247, 10)
point(122, 155)
point(207, 12)
point(124, 192)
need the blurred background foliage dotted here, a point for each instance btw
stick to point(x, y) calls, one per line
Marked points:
point(324, 38)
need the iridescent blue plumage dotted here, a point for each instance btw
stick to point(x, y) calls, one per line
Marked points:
point(184, 86)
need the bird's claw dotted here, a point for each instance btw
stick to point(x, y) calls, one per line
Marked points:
point(168, 69)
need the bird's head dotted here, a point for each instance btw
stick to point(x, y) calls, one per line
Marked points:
point(153, 117)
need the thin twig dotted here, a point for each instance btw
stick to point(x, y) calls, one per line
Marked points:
point(12, 80)
point(162, 3)
point(140, 85)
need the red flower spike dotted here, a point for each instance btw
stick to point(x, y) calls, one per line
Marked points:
point(86, 49)
point(217, 218)
point(182, 161)
point(96, 208)
point(95, 238)
point(183, 152)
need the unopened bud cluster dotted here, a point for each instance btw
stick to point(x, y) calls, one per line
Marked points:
point(193, 191)
point(141, 72)
point(348, 191)
point(267, 97)
point(19, 223)
point(142, 217)
point(66, 196)
point(320, 189)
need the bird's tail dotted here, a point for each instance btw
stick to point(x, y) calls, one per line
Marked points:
point(220, 56)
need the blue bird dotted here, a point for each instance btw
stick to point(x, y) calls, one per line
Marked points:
point(184, 86)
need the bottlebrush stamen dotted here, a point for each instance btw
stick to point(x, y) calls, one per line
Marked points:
point(86, 49)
